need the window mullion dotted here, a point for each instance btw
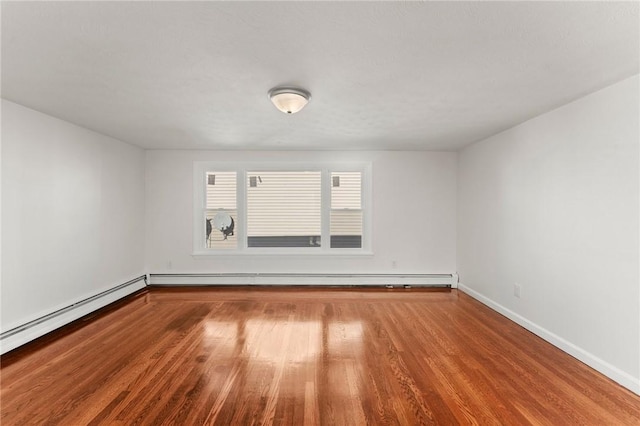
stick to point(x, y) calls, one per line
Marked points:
point(241, 188)
point(325, 205)
point(199, 238)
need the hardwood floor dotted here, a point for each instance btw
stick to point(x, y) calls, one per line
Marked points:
point(304, 356)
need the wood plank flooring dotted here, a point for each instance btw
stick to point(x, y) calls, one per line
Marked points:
point(303, 357)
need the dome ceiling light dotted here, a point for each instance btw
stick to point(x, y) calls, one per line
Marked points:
point(289, 99)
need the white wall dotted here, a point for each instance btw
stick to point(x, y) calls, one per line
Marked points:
point(73, 213)
point(552, 204)
point(414, 207)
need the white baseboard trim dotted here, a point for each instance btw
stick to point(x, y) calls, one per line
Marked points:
point(31, 330)
point(417, 280)
point(614, 373)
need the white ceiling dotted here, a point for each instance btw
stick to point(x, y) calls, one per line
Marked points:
point(383, 75)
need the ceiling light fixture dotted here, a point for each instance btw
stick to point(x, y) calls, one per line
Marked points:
point(289, 99)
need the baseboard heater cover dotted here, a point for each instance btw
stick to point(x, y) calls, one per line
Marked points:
point(274, 279)
point(24, 333)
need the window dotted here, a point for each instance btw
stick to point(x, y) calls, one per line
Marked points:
point(346, 210)
point(221, 210)
point(284, 209)
point(268, 208)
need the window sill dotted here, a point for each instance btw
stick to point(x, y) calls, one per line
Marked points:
point(283, 252)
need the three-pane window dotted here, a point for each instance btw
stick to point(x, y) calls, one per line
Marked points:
point(302, 210)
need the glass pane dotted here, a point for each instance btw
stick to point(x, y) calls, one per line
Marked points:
point(346, 210)
point(222, 214)
point(283, 209)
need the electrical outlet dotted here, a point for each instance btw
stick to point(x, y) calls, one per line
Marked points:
point(516, 290)
point(169, 264)
point(394, 264)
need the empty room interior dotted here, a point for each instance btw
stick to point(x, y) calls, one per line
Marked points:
point(331, 213)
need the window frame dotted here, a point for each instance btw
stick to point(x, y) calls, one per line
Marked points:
point(201, 168)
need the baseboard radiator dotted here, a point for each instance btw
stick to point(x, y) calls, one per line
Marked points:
point(30, 330)
point(333, 280)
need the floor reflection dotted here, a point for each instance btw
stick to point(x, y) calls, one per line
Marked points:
point(345, 337)
point(221, 337)
point(284, 356)
point(273, 340)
